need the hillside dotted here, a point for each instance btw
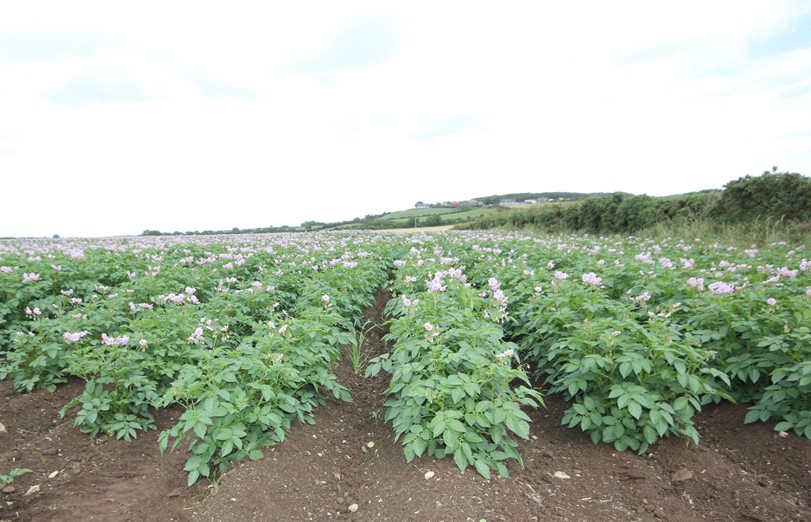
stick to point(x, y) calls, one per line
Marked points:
point(434, 215)
point(775, 198)
point(540, 196)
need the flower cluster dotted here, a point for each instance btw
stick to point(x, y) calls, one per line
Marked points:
point(644, 258)
point(187, 297)
point(72, 337)
point(591, 278)
point(642, 298)
point(30, 277)
point(435, 284)
point(668, 263)
point(456, 273)
point(719, 287)
point(408, 302)
point(196, 336)
point(115, 341)
point(498, 295)
point(785, 272)
point(505, 355)
point(697, 282)
point(431, 331)
point(141, 306)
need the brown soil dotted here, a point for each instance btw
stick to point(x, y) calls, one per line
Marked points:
point(348, 458)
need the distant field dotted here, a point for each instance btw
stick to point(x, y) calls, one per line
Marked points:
point(455, 214)
point(422, 217)
point(418, 212)
point(421, 229)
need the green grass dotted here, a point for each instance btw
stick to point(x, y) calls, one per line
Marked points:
point(407, 218)
point(417, 212)
point(760, 232)
point(450, 213)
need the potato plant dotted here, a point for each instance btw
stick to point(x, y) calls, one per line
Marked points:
point(244, 332)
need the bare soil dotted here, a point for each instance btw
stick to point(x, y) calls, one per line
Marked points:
point(348, 467)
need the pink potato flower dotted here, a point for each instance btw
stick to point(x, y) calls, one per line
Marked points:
point(73, 337)
point(719, 287)
point(591, 278)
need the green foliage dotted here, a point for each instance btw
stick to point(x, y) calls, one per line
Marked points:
point(117, 411)
point(780, 196)
point(37, 359)
point(773, 200)
point(150, 327)
point(5, 480)
point(609, 214)
point(453, 390)
point(356, 354)
point(637, 334)
point(242, 398)
point(632, 380)
point(543, 196)
point(652, 340)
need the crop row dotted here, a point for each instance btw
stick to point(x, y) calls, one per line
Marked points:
point(244, 339)
point(637, 335)
point(456, 386)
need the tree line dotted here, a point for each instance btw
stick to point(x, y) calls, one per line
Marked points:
point(774, 197)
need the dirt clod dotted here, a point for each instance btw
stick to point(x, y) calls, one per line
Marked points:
point(681, 475)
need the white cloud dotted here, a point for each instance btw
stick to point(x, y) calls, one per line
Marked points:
point(189, 115)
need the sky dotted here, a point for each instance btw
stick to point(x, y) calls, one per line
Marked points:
point(118, 117)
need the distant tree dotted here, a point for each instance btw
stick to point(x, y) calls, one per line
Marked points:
point(151, 233)
point(55, 236)
point(773, 194)
point(433, 221)
point(418, 204)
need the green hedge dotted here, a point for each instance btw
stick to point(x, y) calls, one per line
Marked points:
point(772, 197)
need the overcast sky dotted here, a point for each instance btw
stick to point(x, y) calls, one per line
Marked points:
point(119, 117)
